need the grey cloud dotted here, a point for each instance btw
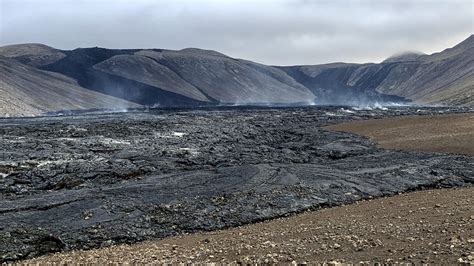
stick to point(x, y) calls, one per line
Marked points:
point(280, 32)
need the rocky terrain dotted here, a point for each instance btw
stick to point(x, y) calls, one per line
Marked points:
point(194, 77)
point(424, 227)
point(99, 179)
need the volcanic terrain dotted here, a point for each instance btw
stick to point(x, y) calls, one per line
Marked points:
point(431, 226)
point(134, 145)
point(99, 179)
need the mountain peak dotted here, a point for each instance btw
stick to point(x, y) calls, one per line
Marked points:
point(403, 57)
point(33, 54)
point(16, 50)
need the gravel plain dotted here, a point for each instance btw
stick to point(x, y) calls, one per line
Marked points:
point(452, 133)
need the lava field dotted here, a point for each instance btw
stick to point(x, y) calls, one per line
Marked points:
point(97, 179)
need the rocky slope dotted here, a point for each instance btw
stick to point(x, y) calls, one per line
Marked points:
point(446, 78)
point(28, 91)
point(206, 76)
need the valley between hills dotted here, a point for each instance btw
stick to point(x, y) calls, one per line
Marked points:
point(37, 79)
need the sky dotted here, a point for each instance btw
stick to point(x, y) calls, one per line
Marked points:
point(277, 32)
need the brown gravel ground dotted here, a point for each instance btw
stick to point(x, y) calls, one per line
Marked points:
point(433, 226)
point(452, 133)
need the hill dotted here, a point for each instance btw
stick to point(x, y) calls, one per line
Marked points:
point(445, 78)
point(28, 91)
point(189, 77)
point(33, 54)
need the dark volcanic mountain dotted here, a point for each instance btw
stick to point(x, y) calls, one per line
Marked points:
point(441, 78)
point(188, 77)
point(195, 77)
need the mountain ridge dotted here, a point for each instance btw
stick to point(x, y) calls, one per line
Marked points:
point(196, 77)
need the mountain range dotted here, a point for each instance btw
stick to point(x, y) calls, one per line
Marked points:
point(35, 78)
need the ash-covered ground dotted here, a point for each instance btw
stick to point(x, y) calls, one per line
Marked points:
point(98, 179)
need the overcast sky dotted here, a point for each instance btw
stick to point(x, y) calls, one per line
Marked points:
point(278, 32)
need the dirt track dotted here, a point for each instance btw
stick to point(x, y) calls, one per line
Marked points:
point(426, 226)
point(444, 133)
